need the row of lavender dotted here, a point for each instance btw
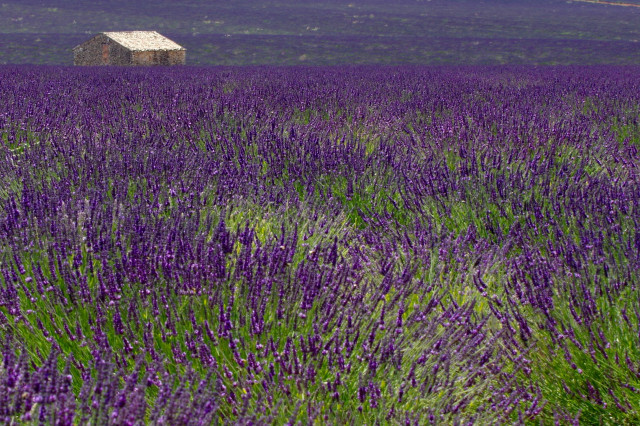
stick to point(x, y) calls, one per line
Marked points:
point(321, 50)
point(342, 244)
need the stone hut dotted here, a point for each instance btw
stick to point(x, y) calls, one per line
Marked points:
point(129, 48)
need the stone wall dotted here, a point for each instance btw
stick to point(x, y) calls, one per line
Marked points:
point(159, 57)
point(177, 57)
point(101, 50)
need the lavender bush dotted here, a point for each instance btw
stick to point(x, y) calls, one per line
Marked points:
point(333, 245)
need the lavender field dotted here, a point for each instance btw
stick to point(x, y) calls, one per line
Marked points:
point(331, 32)
point(339, 245)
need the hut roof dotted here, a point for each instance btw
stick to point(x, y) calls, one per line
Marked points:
point(142, 40)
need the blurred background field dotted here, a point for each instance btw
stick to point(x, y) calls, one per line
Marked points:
point(250, 32)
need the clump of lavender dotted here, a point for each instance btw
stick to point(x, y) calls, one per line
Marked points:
point(356, 246)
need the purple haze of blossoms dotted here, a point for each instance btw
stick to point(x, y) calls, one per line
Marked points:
point(189, 246)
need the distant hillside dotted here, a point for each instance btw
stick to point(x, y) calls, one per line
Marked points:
point(331, 31)
point(630, 3)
